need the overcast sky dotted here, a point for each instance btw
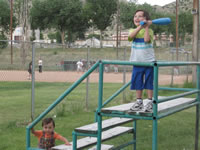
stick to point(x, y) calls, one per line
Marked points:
point(156, 2)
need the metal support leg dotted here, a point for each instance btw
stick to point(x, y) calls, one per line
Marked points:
point(100, 100)
point(155, 108)
point(154, 137)
point(197, 128)
point(74, 140)
point(134, 134)
point(197, 111)
point(99, 133)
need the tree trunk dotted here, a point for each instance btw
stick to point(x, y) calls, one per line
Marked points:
point(63, 38)
point(101, 39)
point(26, 27)
point(195, 40)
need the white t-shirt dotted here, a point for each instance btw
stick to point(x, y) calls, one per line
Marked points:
point(79, 64)
point(40, 62)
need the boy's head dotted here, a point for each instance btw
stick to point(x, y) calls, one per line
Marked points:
point(48, 125)
point(140, 15)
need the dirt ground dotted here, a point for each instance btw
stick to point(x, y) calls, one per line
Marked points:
point(61, 76)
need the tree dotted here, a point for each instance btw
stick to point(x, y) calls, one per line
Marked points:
point(185, 24)
point(101, 13)
point(66, 16)
point(126, 16)
point(5, 16)
point(5, 20)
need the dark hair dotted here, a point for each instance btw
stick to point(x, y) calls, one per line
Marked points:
point(145, 13)
point(47, 121)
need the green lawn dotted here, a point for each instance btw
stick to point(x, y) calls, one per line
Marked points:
point(175, 132)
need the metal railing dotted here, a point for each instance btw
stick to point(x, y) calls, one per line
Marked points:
point(155, 116)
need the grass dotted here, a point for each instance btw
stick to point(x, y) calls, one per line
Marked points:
point(175, 132)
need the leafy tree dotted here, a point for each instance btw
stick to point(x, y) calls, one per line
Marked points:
point(5, 21)
point(126, 14)
point(5, 16)
point(66, 16)
point(3, 44)
point(185, 25)
point(18, 5)
point(101, 13)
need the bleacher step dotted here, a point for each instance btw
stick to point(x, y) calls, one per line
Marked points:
point(103, 147)
point(162, 107)
point(108, 123)
point(89, 141)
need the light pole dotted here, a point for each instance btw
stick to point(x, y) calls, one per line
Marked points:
point(11, 22)
point(195, 12)
point(177, 36)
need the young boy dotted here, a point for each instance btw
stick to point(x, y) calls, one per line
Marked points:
point(142, 51)
point(47, 136)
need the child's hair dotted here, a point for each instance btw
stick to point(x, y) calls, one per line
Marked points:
point(47, 121)
point(145, 14)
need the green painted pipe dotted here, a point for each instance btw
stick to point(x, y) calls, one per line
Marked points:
point(177, 96)
point(116, 93)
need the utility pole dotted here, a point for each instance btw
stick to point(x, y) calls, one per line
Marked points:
point(195, 12)
point(117, 30)
point(177, 35)
point(11, 22)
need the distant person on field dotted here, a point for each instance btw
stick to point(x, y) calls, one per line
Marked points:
point(47, 136)
point(79, 66)
point(40, 65)
point(142, 51)
point(30, 70)
point(106, 68)
point(116, 68)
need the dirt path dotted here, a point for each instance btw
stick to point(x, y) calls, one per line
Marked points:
point(60, 76)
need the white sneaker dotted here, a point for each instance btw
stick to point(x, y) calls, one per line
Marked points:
point(138, 105)
point(149, 106)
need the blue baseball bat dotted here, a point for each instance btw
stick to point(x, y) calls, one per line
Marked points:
point(159, 21)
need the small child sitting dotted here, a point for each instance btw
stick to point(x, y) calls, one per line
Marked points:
point(47, 136)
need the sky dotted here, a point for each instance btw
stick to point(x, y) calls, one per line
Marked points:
point(156, 2)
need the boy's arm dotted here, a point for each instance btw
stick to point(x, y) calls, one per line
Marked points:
point(33, 130)
point(147, 37)
point(59, 137)
point(135, 32)
point(64, 140)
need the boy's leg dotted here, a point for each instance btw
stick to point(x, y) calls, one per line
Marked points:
point(138, 85)
point(150, 94)
point(139, 94)
point(149, 86)
point(138, 105)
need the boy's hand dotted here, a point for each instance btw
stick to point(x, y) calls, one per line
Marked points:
point(67, 143)
point(146, 23)
point(149, 22)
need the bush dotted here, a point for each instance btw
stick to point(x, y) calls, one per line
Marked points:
point(3, 44)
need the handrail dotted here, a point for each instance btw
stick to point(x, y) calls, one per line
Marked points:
point(57, 101)
point(177, 96)
point(174, 63)
point(176, 89)
point(147, 64)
